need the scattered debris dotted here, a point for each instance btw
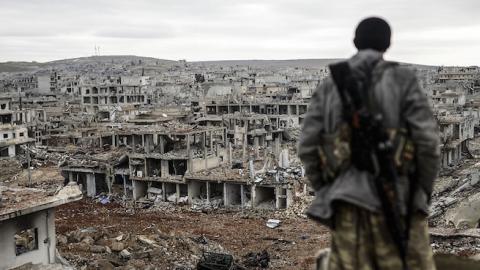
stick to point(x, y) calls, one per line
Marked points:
point(261, 259)
point(273, 223)
point(215, 261)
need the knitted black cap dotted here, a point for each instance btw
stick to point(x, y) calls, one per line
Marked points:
point(372, 33)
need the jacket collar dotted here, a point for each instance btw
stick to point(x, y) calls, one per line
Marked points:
point(365, 60)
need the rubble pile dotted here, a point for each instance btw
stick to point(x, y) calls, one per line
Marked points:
point(41, 157)
point(464, 245)
point(279, 174)
point(92, 248)
point(299, 206)
point(455, 210)
point(203, 205)
point(456, 201)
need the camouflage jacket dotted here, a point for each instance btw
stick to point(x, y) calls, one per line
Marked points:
point(404, 105)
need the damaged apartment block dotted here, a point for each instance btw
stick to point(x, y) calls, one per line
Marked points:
point(180, 163)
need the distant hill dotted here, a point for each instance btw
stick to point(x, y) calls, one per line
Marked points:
point(19, 66)
point(12, 66)
point(109, 59)
point(309, 63)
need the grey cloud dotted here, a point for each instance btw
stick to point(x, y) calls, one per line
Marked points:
point(159, 32)
point(214, 29)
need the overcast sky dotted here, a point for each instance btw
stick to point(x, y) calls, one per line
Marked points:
point(440, 32)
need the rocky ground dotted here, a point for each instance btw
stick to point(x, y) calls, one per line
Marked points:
point(95, 236)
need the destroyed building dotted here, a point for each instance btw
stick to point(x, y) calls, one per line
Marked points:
point(12, 136)
point(175, 163)
point(110, 101)
point(27, 224)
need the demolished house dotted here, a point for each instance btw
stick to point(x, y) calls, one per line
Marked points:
point(27, 224)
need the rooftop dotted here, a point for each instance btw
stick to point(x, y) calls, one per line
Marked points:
point(22, 201)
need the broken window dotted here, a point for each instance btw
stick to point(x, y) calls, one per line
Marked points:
point(4, 152)
point(154, 167)
point(101, 185)
point(183, 190)
point(5, 136)
point(177, 167)
point(26, 241)
point(264, 197)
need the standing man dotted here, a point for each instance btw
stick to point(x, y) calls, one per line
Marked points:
point(370, 147)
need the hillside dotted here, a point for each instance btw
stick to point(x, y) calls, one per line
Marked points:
point(80, 62)
point(19, 66)
point(107, 59)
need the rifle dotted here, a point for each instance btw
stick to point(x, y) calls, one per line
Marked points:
point(372, 148)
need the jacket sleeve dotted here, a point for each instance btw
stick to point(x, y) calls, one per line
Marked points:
point(310, 135)
point(424, 133)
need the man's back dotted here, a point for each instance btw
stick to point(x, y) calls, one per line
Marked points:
point(403, 105)
point(352, 195)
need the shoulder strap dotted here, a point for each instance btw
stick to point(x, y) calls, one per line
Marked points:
point(340, 72)
point(375, 76)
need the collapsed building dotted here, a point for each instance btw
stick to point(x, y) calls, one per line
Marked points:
point(456, 117)
point(181, 164)
point(455, 131)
